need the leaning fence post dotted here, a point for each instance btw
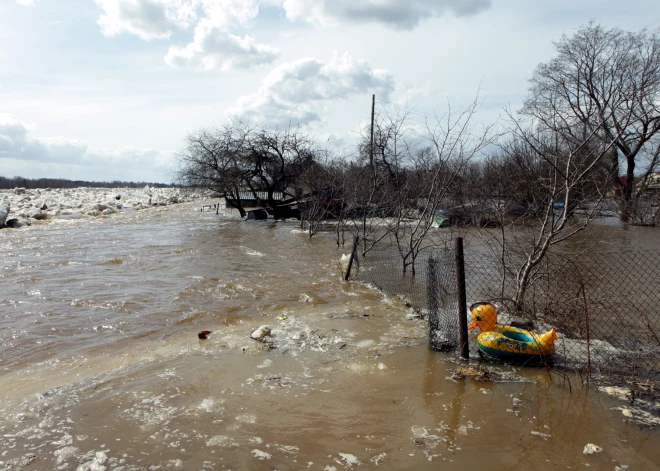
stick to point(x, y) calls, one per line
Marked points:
point(350, 261)
point(462, 300)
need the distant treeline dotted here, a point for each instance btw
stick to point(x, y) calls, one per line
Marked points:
point(30, 183)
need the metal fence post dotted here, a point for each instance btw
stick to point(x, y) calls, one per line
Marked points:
point(462, 300)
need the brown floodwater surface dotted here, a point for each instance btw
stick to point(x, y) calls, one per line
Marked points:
point(101, 367)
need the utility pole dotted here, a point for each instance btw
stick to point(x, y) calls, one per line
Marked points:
point(371, 147)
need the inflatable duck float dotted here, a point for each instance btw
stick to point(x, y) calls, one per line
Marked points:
point(506, 342)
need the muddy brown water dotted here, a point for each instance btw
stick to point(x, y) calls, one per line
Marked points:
point(101, 367)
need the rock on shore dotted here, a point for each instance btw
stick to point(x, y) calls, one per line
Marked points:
point(21, 207)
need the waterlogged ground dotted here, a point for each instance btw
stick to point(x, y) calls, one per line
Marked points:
point(101, 367)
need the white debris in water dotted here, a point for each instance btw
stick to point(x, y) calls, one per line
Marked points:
point(623, 467)
point(639, 414)
point(253, 253)
point(266, 363)
point(257, 440)
point(247, 418)
point(221, 440)
point(329, 468)
point(65, 440)
point(65, 453)
point(211, 405)
point(358, 367)
point(378, 458)
point(350, 460)
point(545, 436)
point(419, 431)
point(175, 463)
point(291, 449)
point(261, 332)
point(381, 366)
point(96, 464)
point(152, 410)
point(590, 449)
point(365, 344)
point(616, 391)
point(261, 455)
point(462, 430)
point(304, 298)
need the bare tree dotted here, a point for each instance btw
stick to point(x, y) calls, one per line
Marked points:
point(565, 175)
point(424, 170)
point(322, 198)
point(604, 83)
point(214, 159)
point(239, 158)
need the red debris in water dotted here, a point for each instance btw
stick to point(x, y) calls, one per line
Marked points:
point(204, 334)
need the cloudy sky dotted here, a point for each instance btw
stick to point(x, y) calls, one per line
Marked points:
point(107, 89)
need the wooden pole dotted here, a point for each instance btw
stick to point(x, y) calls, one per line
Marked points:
point(350, 261)
point(462, 300)
point(371, 145)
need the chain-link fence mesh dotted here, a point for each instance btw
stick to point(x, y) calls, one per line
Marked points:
point(428, 286)
point(605, 307)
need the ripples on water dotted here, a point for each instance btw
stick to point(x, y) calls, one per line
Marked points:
point(101, 365)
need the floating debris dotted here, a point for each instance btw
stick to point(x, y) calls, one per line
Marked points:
point(590, 449)
point(348, 460)
point(222, 441)
point(262, 332)
point(261, 455)
point(484, 374)
point(378, 458)
point(480, 374)
point(204, 334)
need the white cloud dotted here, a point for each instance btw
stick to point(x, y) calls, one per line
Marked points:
point(213, 45)
point(298, 91)
point(398, 14)
point(17, 143)
point(26, 2)
point(214, 48)
point(229, 13)
point(148, 19)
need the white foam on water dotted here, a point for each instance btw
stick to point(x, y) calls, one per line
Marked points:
point(221, 441)
point(247, 418)
point(261, 455)
point(348, 459)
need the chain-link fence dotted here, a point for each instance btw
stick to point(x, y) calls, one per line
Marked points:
point(605, 307)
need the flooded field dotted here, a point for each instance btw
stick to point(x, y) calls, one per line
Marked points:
point(101, 367)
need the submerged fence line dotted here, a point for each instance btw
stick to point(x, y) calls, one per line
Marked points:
point(605, 307)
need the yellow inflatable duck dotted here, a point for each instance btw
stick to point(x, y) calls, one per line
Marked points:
point(508, 342)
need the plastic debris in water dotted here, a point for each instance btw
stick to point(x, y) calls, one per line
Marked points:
point(204, 334)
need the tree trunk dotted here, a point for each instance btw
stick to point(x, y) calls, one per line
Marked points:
point(236, 204)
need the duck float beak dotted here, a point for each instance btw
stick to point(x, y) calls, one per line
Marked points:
point(472, 326)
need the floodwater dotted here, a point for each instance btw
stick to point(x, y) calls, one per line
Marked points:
point(101, 367)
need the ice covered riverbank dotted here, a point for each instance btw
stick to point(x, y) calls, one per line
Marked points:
point(21, 207)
